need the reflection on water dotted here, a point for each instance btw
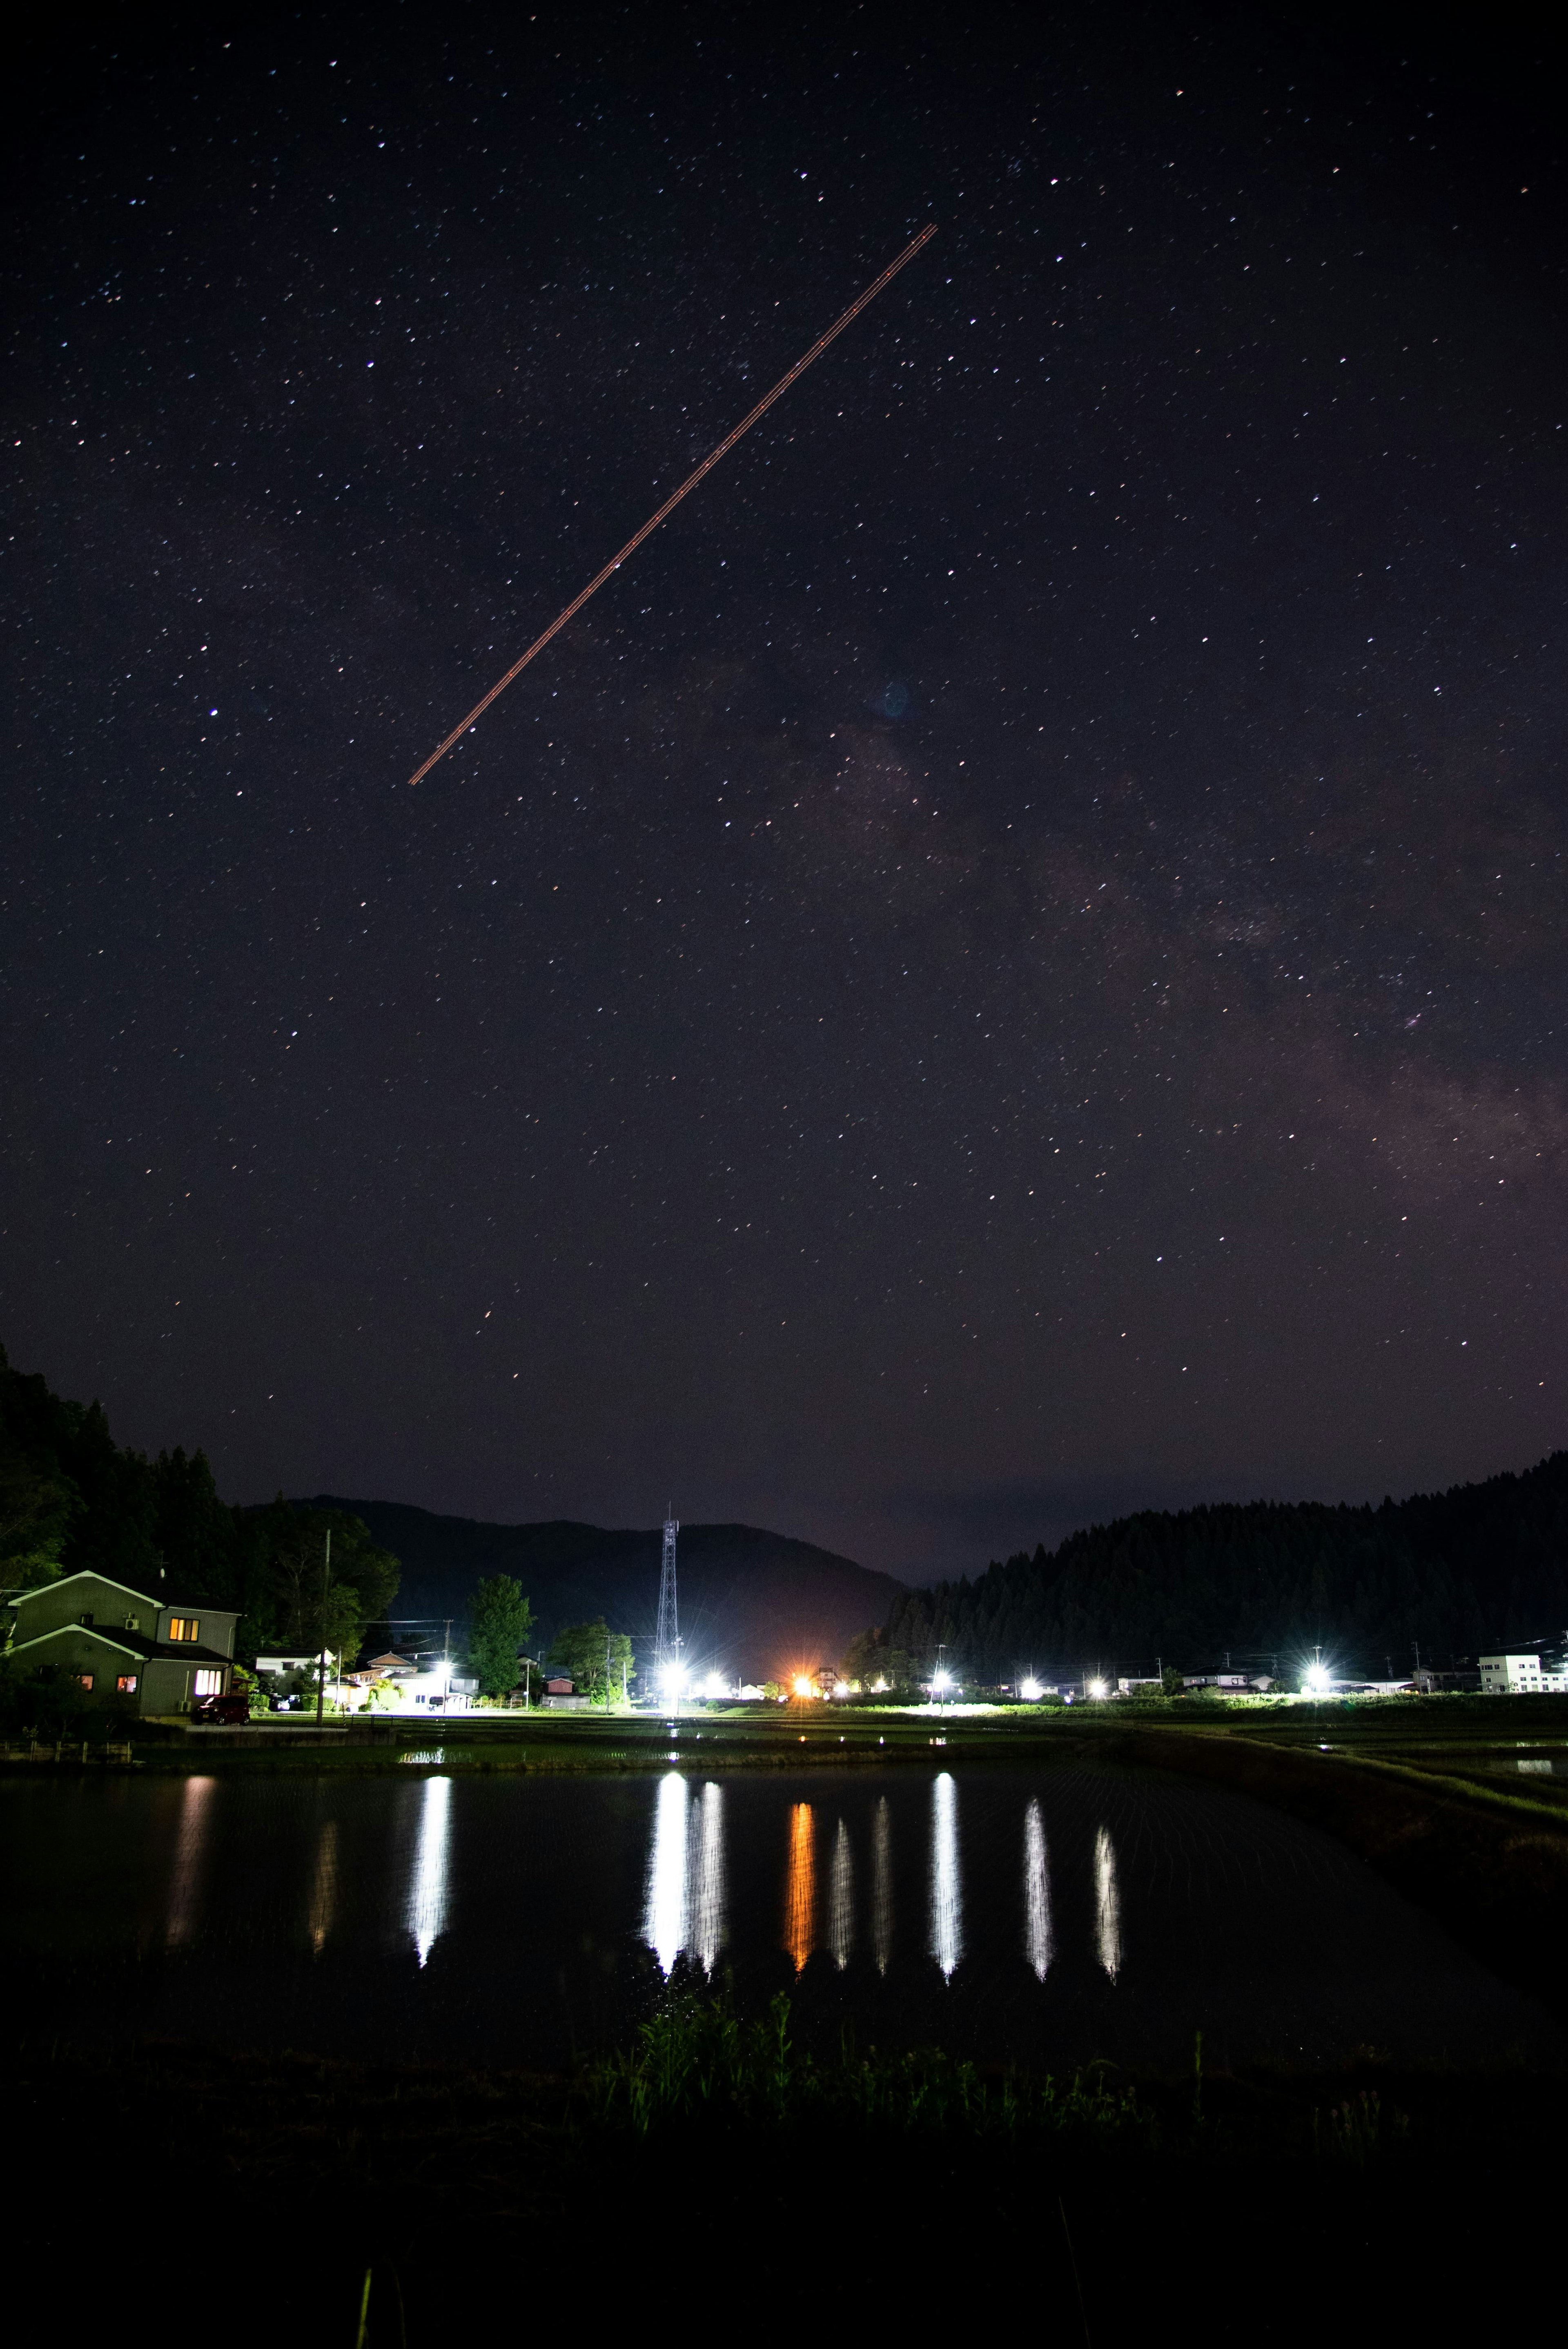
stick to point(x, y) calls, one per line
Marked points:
point(1085, 1912)
point(428, 1884)
point(684, 1898)
point(664, 1902)
point(842, 1899)
point(946, 1898)
point(324, 1890)
point(1037, 1893)
point(800, 1887)
point(195, 1817)
point(705, 1935)
point(881, 1883)
point(1107, 1905)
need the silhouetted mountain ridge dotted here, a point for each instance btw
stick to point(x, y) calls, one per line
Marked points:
point(753, 1603)
point(1453, 1572)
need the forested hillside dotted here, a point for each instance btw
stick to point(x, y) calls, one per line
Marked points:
point(753, 1604)
point(1456, 1571)
point(70, 1497)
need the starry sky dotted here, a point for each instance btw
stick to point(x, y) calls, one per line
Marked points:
point(1010, 967)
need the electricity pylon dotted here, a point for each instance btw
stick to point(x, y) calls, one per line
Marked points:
point(667, 1638)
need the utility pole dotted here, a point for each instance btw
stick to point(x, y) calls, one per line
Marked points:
point(446, 1662)
point(321, 1660)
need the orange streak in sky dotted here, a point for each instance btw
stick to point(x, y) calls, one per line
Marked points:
point(783, 384)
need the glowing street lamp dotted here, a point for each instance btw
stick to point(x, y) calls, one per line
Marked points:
point(804, 1687)
point(672, 1680)
point(1098, 1688)
point(1030, 1691)
point(1315, 1680)
point(715, 1685)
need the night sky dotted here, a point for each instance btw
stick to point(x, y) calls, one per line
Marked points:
point(1009, 967)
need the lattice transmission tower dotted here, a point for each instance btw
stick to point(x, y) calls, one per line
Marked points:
point(667, 1638)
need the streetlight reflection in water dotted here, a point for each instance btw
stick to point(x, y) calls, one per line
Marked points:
point(1107, 1905)
point(800, 1887)
point(842, 1899)
point(427, 1884)
point(1037, 1893)
point(881, 1883)
point(946, 1892)
point(683, 1895)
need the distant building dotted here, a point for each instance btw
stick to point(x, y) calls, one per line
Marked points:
point(161, 1656)
point(1133, 1687)
point(1523, 1674)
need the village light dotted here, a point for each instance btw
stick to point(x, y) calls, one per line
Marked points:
point(1031, 1691)
point(1097, 1688)
point(671, 1680)
point(942, 1681)
point(1315, 1680)
point(803, 1687)
point(715, 1685)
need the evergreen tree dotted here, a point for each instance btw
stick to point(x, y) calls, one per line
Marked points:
point(501, 1619)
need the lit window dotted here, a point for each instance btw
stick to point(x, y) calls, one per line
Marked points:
point(210, 1683)
point(126, 1685)
point(85, 1679)
point(184, 1627)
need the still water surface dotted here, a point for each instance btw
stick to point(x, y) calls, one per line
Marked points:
point(1042, 1915)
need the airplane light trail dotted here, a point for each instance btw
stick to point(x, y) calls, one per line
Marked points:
point(783, 384)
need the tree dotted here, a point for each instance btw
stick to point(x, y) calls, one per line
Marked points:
point(867, 1658)
point(500, 1620)
point(320, 1603)
point(595, 1658)
point(36, 1512)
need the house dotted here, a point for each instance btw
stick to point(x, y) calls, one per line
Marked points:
point(1523, 1675)
point(163, 1655)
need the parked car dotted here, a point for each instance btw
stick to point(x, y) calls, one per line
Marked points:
point(225, 1711)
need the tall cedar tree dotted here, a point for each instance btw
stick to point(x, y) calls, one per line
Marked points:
point(501, 1619)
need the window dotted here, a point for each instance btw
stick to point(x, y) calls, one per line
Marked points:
point(86, 1618)
point(210, 1683)
point(126, 1685)
point(85, 1679)
point(184, 1627)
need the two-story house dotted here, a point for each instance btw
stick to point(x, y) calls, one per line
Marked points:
point(163, 1655)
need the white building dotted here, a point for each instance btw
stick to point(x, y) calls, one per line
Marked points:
point(1523, 1675)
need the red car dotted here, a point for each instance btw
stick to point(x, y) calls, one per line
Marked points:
point(226, 1711)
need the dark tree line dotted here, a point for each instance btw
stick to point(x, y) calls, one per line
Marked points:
point(70, 1498)
point(1456, 1572)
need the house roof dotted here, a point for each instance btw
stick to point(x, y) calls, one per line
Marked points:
point(90, 1574)
point(128, 1643)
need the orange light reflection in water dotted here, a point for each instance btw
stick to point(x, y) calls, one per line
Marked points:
point(800, 1890)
